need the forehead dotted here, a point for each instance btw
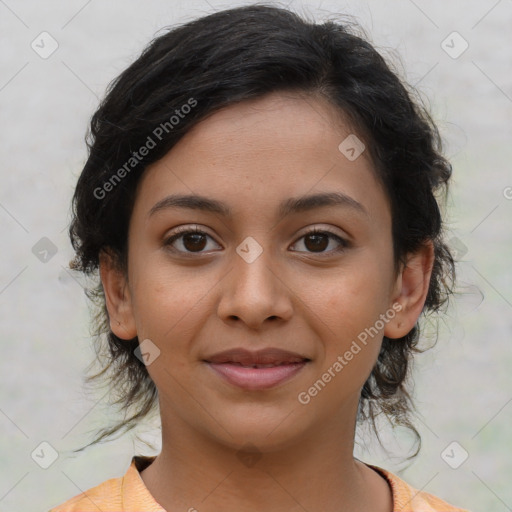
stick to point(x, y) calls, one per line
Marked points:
point(254, 154)
point(279, 124)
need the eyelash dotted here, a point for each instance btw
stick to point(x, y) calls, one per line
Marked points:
point(344, 244)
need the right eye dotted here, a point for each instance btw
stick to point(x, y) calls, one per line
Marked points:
point(192, 241)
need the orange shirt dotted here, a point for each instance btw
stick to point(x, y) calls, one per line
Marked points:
point(129, 494)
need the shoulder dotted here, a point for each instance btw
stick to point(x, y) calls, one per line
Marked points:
point(126, 492)
point(105, 496)
point(408, 499)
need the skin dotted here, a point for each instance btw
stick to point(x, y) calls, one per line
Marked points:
point(252, 156)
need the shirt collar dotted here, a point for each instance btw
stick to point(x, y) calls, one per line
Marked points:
point(136, 496)
point(134, 493)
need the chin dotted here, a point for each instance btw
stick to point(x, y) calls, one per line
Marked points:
point(260, 428)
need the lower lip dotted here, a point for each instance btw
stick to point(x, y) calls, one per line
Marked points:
point(256, 378)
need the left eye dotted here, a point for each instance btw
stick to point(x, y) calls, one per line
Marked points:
point(315, 241)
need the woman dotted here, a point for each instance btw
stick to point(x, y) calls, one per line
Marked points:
point(260, 202)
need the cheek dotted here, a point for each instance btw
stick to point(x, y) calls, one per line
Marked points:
point(167, 302)
point(168, 312)
point(348, 299)
point(351, 347)
point(348, 306)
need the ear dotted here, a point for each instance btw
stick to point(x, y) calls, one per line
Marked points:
point(117, 298)
point(411, 291)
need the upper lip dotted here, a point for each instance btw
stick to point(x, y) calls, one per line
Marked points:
point(263, 356)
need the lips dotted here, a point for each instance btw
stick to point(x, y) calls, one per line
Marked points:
point(262, 358)
point(256, 370)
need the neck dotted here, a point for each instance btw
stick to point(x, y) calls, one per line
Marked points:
point(317, 472)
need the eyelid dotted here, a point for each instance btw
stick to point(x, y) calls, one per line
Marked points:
point(319, 228)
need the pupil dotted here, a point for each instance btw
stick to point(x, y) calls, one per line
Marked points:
point(318, 242)
point(196, 242)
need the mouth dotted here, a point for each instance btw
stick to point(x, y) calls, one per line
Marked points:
point(257, 370)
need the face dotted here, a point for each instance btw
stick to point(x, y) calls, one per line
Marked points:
point(240, 270)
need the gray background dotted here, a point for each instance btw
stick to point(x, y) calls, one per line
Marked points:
point(462, 386)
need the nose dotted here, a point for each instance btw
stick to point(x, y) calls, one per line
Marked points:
point(255, 292)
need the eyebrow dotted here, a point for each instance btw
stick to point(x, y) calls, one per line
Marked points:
point(287, 207)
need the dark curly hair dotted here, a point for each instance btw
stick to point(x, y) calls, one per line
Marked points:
point(236, 55)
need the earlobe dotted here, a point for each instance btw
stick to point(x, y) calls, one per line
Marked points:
point(413, 284)
point(117, 298)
